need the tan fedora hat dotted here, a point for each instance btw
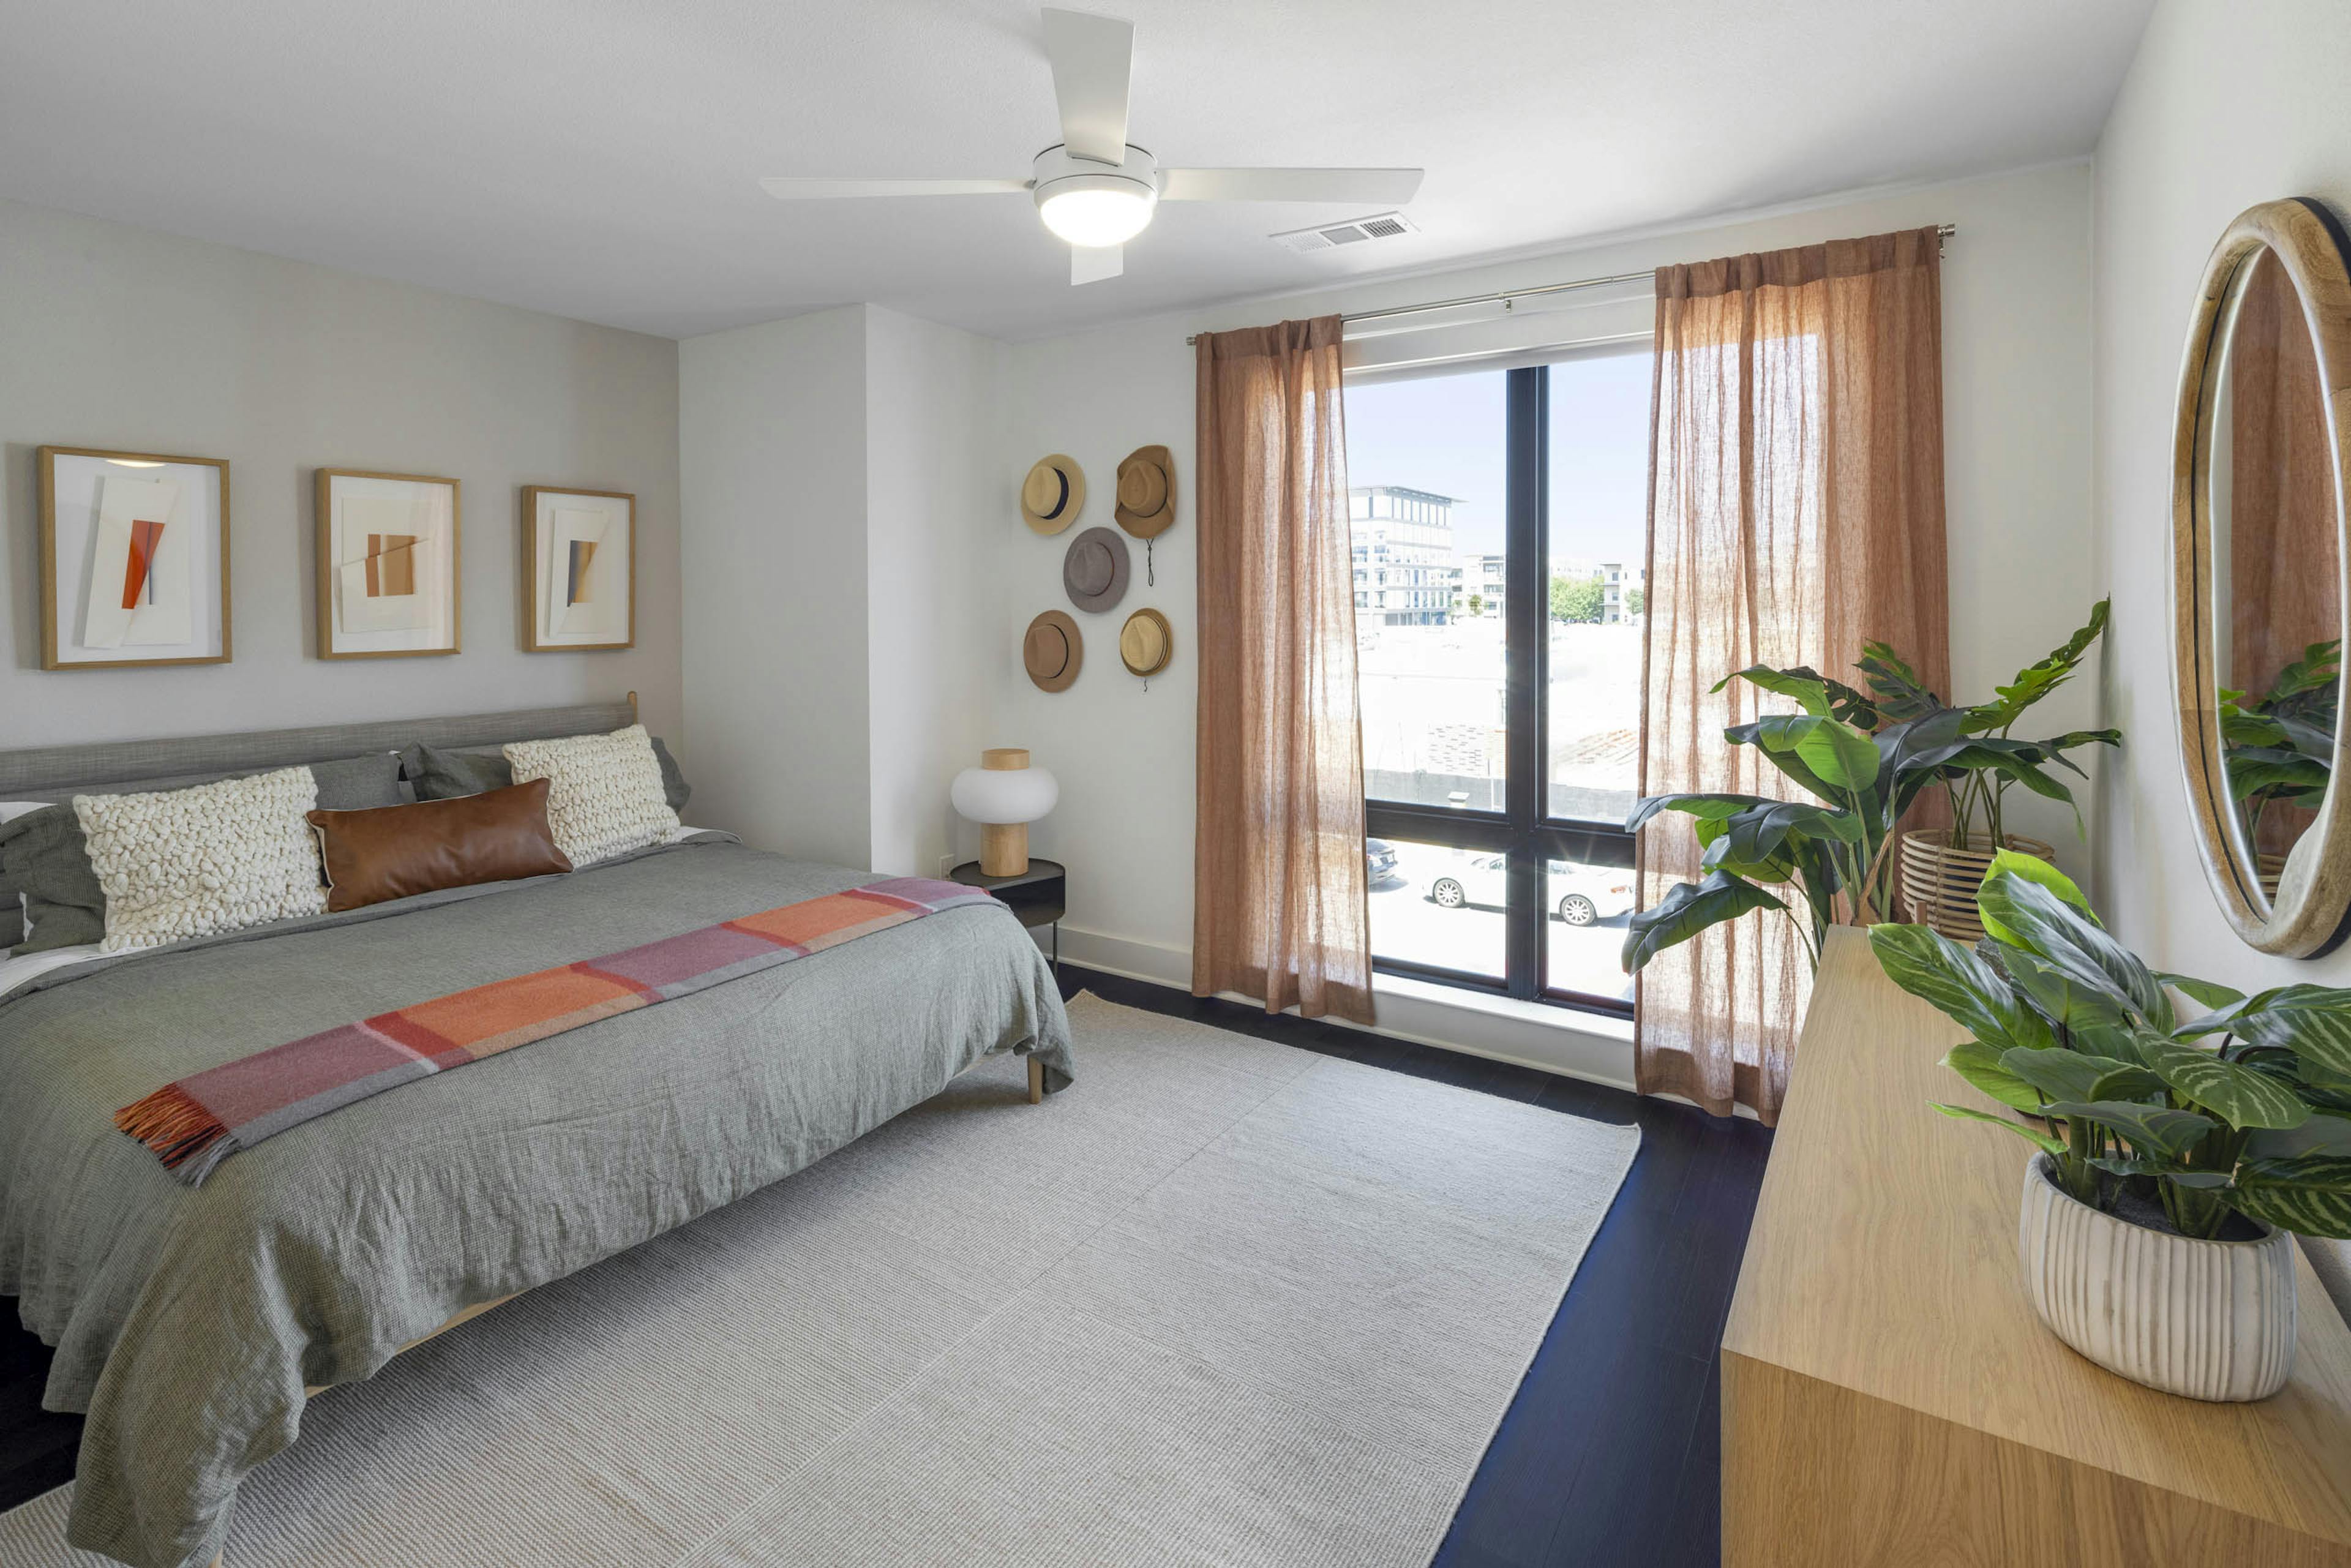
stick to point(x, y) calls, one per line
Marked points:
point(1094, 569)
point(1054, 493)
point(1146, 642)
point(1146, 492)
point(1053, 651)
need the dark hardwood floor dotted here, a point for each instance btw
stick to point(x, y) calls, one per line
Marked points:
point(1610, 1453)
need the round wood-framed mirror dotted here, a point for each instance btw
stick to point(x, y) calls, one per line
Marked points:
point(2260, 541)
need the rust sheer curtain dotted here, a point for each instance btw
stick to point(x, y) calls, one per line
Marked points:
point(1796, 513)
point(1279, 895)
point(2281, 507)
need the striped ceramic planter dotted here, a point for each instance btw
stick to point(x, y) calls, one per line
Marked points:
point(2212, 1319)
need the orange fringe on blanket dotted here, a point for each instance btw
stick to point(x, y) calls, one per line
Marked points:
point(175, 1127)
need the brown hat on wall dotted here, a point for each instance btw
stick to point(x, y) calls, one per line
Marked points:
point(1053, 651)
point(1146, 492)
point(1054, 493)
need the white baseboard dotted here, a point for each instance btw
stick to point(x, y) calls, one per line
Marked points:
point(1592, 1047)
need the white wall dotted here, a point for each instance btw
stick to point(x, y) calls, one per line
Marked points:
point(831, 498)
point(771, 447)
point(928, 392)
point(2224, 107)
point(122, 337)
point(2016, 385)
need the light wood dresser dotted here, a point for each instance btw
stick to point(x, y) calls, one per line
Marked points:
point(1888, 1396)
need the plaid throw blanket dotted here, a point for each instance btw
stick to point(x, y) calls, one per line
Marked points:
point(198, 1121)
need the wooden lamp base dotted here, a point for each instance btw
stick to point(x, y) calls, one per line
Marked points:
point(1004, 848)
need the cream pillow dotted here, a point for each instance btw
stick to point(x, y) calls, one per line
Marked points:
point(604, 795)
point(177, 864)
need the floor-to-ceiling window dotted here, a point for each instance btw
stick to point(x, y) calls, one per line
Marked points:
point(1499, 535)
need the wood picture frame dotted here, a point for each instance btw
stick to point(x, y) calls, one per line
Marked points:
point(207, 559)
point(336, 639)
point(2306, 916)
point(543, 545)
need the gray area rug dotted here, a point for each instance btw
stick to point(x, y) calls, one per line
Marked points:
point(1224, 1302)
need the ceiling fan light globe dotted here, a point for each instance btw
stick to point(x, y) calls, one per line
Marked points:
point(1096, 210)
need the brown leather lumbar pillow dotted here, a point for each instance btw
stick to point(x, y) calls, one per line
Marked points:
point(393, 852)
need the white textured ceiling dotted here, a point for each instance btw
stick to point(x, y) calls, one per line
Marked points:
point(596, 158)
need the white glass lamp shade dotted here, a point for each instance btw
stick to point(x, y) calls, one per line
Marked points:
point(1004, 794)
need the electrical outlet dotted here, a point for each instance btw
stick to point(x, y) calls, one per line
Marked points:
point(946, 865)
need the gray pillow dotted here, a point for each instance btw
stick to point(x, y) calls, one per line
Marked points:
point(42, 855)
point(444, 775)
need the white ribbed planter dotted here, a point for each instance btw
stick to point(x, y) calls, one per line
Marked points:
point(2212, 1319)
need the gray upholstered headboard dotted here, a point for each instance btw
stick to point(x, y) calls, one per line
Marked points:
point(52, 772)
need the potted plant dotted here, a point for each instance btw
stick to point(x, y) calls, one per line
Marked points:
point(1941, 867)
point(2179, 1147)
point(2279, 749)
point(1830, 858)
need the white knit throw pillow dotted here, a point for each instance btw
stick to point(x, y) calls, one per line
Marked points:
point(177, 864)
point(603, 791)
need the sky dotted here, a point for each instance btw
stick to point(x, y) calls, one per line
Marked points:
point(1444, 434)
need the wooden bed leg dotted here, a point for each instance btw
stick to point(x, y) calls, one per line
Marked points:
point(1036, 1081)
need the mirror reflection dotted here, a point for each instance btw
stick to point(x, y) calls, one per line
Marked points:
point(2276, 574)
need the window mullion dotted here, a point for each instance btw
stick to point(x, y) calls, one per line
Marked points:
point(1527, 606)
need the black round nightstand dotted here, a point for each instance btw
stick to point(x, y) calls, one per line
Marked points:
point(1039, 895)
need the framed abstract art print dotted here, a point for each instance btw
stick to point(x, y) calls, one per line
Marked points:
point(135, 559)
point(388, 550)
point(579, 570)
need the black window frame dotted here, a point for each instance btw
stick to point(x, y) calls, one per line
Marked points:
point(1523, 831)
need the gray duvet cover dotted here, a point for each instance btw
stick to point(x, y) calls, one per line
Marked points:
point(188, 1320)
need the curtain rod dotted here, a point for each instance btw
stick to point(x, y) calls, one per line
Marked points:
point(1504, 297)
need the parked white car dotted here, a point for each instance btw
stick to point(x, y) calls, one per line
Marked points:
point(1583, 893)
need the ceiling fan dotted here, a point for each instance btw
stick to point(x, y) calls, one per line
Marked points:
point(1096, 190)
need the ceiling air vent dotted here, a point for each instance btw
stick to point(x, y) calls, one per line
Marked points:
point(1329, 237)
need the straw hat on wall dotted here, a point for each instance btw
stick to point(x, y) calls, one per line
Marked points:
point(1146, 492)
point(1054, 493)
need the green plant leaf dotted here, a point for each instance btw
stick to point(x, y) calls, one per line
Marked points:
point(1811, 691)
point(2094, 1017)
point(1959, 984)
point(2309, 1195)
point(2035, 918)
point(1760, 832)
point(2076, 1077)
point(2047, 1143)
point(1899, 690)
point(2241, 1096)
point(2151, 1129)
point(1787, 762)
point(1705, 806)
point(1686, 909)
point(2037, 681)
point(1839, 756)
point(2211, 993)
point(2033, 868)
point(2126, 1165)
point(1980, 1064)
point(2311, 1021)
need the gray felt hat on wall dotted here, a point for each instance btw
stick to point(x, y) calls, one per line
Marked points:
point(1095, 571)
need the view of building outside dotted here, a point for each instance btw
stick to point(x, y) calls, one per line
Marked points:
point(1426, 458)
point(1599, 509)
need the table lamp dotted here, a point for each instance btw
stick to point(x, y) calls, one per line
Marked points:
point(1004, 794)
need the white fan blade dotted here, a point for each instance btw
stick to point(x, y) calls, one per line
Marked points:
point(1367, 187)
point(796, 190)
point(1094, 263)
point(1093, 57)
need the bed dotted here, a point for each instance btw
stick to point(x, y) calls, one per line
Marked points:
point(191, 1323)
